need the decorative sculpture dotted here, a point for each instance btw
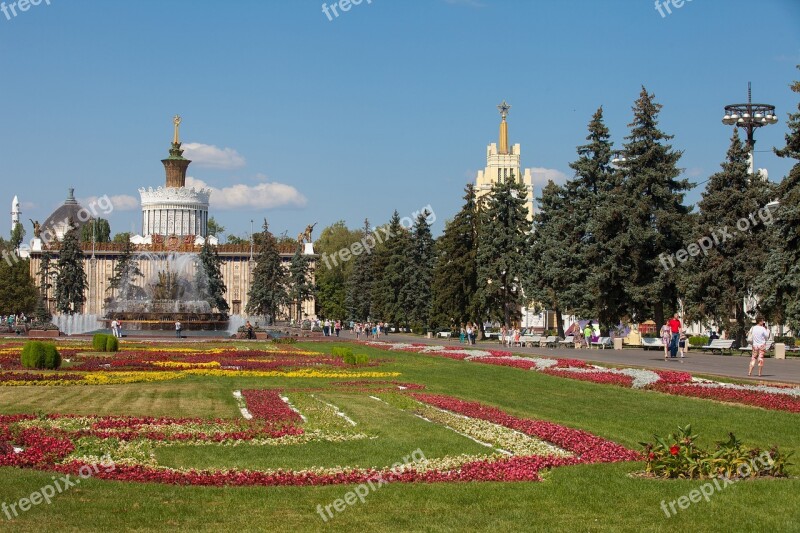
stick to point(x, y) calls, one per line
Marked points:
point(37, 228)
point(307, 233)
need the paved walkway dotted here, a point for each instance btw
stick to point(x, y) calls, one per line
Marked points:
point(735, 366)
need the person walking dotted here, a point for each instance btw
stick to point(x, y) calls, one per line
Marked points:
point(675, 328)
point(178, 328)
point(666, 338)
point(759, 335)
point(682, 343)
point(588, 331)
point(249, 329)
point(337, 327)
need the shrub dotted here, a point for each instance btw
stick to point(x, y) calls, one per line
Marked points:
point(676, 456)
point(356, 359)
point(112, 343)
point(99, 342)
point(40, 355)
point(342, 351)
point(788, 341)
point(698, 340)
point(284, 340)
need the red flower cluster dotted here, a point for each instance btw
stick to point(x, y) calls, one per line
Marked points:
point(503, 361)
point(571, 363)
point(673, 377)
point(595, 377)
point(267, 405)
point(28, 376)
point(589, 448)
point(766, 400)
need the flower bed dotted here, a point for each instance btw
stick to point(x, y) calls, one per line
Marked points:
point(268, 405)
point(594, 376)
point(766, 400)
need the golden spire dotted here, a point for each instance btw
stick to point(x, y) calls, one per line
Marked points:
point(177, 122)
point(503, 108)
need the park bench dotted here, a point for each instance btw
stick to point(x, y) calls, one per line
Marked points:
point(444, 334)
point(603, 343)
point(652, 342)
point(749, 348)
point(530, 340)
point(721, 345)
point(568, 340)
point(550, 341)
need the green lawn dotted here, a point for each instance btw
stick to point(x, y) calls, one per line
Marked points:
point(578, 498)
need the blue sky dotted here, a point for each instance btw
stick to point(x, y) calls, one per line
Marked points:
point(388, 106)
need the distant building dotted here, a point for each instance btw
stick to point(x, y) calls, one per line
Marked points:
point(503, 163)
point(174, 220)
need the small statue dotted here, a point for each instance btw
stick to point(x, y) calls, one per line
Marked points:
point(37, 228)
point(300, 238)
point(309, 229)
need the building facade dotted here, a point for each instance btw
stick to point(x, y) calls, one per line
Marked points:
point(503, 163)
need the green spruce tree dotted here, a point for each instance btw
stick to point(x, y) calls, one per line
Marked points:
point(392, 259)
point(553, 269)
point(779, 285)
point(720, 278)
point(268, 292)
point(71, 278)
point(125, 271)
point(98, 230)
point(502, 252)
point(419, 273)
point(208, 278)
point(455, 274)
point(657, 221)
point(359, 283)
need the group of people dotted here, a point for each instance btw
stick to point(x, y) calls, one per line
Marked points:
point(673, 337)
point(329, 328)
point(370, 330)
point(469, 333)
point(116, 328)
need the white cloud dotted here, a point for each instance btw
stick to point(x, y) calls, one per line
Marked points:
point(542, 175)
point(264, 195)
point(208, 155)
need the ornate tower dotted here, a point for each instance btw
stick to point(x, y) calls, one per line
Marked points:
point(503, 163)
point(176, 165)
point(175, 209)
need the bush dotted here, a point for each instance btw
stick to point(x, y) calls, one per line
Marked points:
point(356, 359)
point(676, 456)
point(99, 341)
point(112, 343)
point(788, 341)
point(698, 340)
point(284, 340)
point(40, 355)
point(342, 351)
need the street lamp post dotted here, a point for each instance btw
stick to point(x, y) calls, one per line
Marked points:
point(749, 117)
point(251, 239)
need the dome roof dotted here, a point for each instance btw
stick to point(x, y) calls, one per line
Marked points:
point(56, 224)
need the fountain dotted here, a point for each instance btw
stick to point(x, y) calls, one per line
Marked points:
point(172, 291)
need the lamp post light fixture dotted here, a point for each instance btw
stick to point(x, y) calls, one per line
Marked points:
point(749, 117)
point(618, 158)
point(251, 240)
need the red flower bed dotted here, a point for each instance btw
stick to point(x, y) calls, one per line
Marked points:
point(267, 405)
point(595, 377)
point(777, 402)
point(573, 363)
point(27, 376)
point(589, 448)
point(502, 361)
point(673, 377)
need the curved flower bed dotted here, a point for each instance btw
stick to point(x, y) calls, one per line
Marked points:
point(595, 376)
point(268, 405)
point(767, 400)
point(587, 447)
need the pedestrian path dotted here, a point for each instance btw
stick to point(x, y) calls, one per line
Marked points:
point(696, 363)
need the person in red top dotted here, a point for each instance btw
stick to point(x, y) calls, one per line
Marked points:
point(675, 327)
